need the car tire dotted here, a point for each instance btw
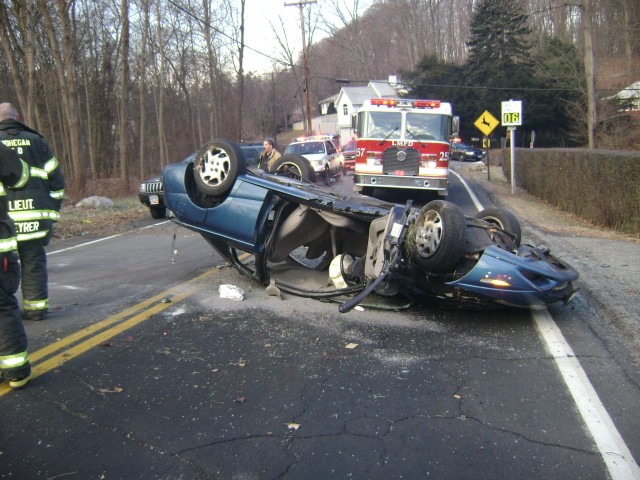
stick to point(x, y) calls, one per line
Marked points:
point(439, 236)
point(216, 167)
point(158, 212)
point(507, 221)
point(294, 166)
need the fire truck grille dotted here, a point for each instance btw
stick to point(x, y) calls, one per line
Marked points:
point(394, 159)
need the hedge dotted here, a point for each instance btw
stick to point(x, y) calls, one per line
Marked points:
point(600, 186)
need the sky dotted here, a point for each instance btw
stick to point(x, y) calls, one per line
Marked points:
point(259, 34)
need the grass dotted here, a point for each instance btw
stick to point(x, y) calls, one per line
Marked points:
point(85, 221)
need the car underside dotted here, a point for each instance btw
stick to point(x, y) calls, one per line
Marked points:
point(295, 237)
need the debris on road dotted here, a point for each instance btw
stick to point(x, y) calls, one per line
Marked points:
point(231, 292)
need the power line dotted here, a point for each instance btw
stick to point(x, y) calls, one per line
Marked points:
point(482, 87)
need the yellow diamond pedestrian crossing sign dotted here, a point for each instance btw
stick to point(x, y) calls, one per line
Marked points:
point(486, 123)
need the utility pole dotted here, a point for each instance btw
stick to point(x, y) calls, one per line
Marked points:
point(300, 4)
point(587, 26)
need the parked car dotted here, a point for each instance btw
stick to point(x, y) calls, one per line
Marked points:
point(312, 242)
point(349, 156)
point(321, 153)
point(251, 152)
point(464, 153)
point(151, 194)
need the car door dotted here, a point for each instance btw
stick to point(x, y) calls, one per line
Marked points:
point(333, 159)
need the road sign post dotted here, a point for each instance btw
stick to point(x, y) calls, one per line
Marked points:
point(512, 149)
point(486, 123)
point(512, 118)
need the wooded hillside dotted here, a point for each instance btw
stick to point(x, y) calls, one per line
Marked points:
point(120, 89)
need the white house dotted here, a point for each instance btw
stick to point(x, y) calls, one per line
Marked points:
point(629, 97)
point(347, 103)
point(350, 99)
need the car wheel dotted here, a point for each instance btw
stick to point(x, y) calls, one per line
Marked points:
point(507, 221)
point(216, 167)
point(158, 212)
point(294, 166)
point(439, 236)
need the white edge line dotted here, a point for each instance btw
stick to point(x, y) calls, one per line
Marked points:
point(472, 195)
point(614, 451)
point(105, 238)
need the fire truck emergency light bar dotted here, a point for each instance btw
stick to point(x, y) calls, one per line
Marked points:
point(392, 102)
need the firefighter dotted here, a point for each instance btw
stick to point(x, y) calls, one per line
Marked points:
point(14, 360)
point(34, 209)
point(269, 155)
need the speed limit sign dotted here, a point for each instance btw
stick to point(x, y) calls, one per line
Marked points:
point(512, 113)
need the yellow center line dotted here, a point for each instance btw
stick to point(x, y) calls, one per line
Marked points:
point(146, 309)
point(101, 325)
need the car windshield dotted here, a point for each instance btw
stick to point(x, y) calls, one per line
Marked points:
point(307, 148)
point(251, 153)
point(462, 146)
point(350, 145)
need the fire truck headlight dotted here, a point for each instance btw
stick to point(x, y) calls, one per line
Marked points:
point(427, 164)
point(428, 160)
point(374, 162)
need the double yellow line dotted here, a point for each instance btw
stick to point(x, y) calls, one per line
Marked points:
point(68, 348)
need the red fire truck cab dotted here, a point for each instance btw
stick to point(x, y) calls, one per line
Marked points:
point(403, 143)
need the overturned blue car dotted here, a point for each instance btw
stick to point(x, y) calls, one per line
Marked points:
point(285, 232)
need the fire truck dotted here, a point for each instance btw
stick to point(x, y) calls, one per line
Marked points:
point(403, 143)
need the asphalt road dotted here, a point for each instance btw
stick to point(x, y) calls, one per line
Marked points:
point(144, 371)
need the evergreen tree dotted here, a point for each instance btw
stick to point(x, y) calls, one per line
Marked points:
point(434, 79)
point(503, 65)
point(499, 66)
point(562, 105)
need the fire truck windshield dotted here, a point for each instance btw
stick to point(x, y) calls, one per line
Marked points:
point(422, 126)
point(383, 124)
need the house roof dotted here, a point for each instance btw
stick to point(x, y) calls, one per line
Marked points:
point(629, 97)
point(330, 99)
point(383, 88)
point(375, 89)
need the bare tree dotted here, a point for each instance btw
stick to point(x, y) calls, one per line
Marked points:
point(289, 55)
point(124, 88)
point(211, 68)
point(160, 84)
point(142, 88)
point(10, 48)
point(344, 24)
point(65, 65)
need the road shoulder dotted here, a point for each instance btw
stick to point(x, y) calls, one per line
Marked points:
point(605, 259)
